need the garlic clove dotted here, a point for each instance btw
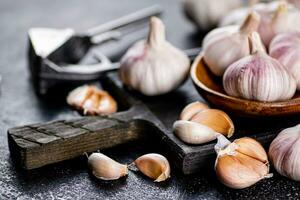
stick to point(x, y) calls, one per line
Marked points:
point(191, 109)
point(154, 67)
point(215, 119)
point(284, 153)
point(239, 167)
point(251, 147)
point(153, 165)
point(106, 168)
point(240, 171)
point(258, 76)
point(223, 47)
point(92, 101)
point(193, 133)
point(285, 48)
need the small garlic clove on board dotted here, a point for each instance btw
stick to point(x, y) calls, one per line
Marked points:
point(199, 124)
point(193, 133)
point(154, 67)
point(92, 101)
point(191, 109)
point(284, 153)
point(259, 76)
point(241, 163)
point(105, 168)
point(223, 46)
point(155, 166)
point(215, 119)
point(285, 48)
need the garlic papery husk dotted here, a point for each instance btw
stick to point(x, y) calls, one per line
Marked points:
point(241, 163)
point(154, 67)
point(193, 132)
point(191, 109)
point(206, 14)
point(258, 76)
point(284, 153)
point(105, 168)
point(285, 48)
point(222, 48)
point(90, 100)
point(155, 166)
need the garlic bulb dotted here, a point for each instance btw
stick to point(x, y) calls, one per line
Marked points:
point(276, 17)
point(206, 14)
point(92, 101)
point(284, 153)
point(199, 124)
point(258, 76)
point(223, 46)
point(241, 163)
point(154, 67)
point(105, 168)
point(154, 166)
point(285, 48)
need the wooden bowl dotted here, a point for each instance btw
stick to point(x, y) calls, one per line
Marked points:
point(210, 88)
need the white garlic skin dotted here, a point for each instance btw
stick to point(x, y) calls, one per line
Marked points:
point(105, 168)
point(284, 153)
point(206, 14)
point(223, 46)
point(259, 76)
point(285, 48)
point(154, 67)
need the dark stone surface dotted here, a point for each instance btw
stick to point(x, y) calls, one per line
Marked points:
point(70, 180)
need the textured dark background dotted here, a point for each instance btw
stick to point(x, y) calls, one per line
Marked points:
point(70, 179)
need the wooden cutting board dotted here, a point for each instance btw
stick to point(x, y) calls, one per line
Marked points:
point(36, 145)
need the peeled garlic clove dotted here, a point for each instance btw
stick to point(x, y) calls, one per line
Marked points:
point(155, 166)
point(285, 48)
point(92, 101)
point(284, 153)
point(258, 76)
point(106, 168)
point(154, 67)
point(193, 133)
point(236, 168)
point(215, 119)
point(206, 14)
point(190, 110)
point(222, 48)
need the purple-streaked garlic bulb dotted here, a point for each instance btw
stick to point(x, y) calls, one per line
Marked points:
point(276, 17)
point(259, 76)
point(154, 67)
point(285, 48)
point(225, 45)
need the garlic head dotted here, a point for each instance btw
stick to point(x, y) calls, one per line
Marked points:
point(154, 67)
point(284, 153)
point(224, 46)
point(155, 166)
point(241, 163)
point(105, 168)
point(206, 14)
point(258, 76)
point(285, 48)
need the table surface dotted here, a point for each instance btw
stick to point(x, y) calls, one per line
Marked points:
point(70, 179)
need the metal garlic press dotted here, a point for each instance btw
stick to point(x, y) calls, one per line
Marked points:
point(55, 55)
